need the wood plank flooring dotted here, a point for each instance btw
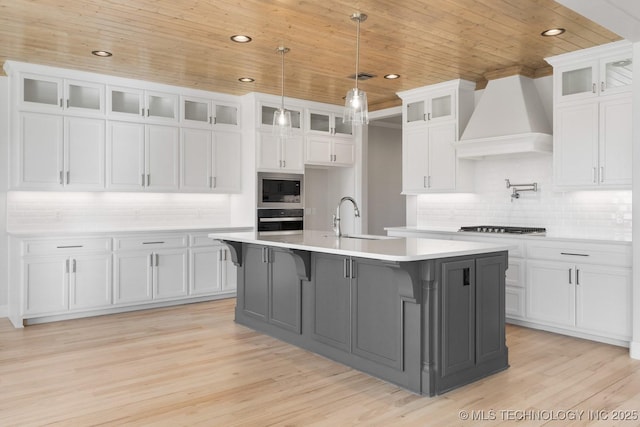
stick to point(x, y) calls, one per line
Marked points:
point(192, 365)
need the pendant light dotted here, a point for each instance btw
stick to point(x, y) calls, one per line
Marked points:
point(282, 117)
point(356, 110)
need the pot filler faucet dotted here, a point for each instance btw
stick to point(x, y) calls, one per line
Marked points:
point(336, 217)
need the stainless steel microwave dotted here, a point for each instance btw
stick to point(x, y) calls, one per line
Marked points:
point(279, 190)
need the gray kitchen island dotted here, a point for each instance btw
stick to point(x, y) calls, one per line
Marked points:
point(425, 314)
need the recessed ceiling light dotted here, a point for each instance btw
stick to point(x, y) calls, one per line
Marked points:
point(552, 32)
point(246, 79)
point(241, 38)
point(101, 53)
point(392, 76)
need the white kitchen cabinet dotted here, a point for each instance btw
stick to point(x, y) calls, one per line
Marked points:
point(211, 270)
point(142, 157)
point(210, 161)
point(59, 152)
point(329, 151)
point(46, 288)
point(277, 154)
point(138, 104)
point(432, 119)
point(585, 288)
point(90, 281)
point(58, 95)
point(327, 123)
point(207, 113)
point(592, 143)
point(429, 159)
point(267, 110)
point(150, 268)
point(435, 106)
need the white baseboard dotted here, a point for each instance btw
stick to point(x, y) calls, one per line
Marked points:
point(634, 349)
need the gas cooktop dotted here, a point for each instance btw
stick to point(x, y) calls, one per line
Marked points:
point(539, 231)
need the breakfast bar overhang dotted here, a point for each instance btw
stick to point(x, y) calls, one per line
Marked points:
point(425, 314)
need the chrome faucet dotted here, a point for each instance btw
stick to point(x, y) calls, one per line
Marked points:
point(336, 217)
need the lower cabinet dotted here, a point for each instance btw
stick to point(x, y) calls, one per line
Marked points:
point(271, 287)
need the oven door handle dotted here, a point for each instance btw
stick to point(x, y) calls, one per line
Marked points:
point(286, 219)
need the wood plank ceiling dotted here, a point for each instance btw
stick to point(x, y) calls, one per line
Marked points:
point(187, 42)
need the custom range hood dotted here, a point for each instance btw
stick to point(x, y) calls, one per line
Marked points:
point(509, 120)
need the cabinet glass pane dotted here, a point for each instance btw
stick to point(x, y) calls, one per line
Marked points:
point(441, 106)
point(226, 115)
point(342, 127)
point(619, 73)
point(84, 97)
point(160, 106)
point(267, 116)
point(415, 111)
point(319, 122)
point(125, 102)
point(41, 92)
point(577, 81)
point(197, 111)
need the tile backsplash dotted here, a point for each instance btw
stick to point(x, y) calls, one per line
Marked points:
point(55, 211)
point(596, 214)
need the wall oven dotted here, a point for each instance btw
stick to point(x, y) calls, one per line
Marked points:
point(280, 221)
point(281, 191)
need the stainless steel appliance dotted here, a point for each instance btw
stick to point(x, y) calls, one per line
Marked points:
point(282, 191)
point(500, 229)
point(280, 221)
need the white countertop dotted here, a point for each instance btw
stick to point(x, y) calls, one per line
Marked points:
point(388, 249)
point(623, 238)
point(117, 230)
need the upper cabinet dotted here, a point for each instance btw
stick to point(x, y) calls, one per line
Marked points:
point(136, 104)
point(432, 120)
point(329, 140)
point(266, 112)
point(592, 136)
point(49, 94)
point(208, 113)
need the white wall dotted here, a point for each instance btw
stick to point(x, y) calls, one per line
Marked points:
point(635, 344)
point(386, 206)
point(4, 176)
point(324, 187)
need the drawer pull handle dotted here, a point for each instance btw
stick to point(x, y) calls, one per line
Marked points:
point(574, 254)
point(152, 243)
point(69, 247)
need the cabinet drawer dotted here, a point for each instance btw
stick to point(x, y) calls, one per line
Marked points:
point(157, 241)
point(63, 246)
point(198, 240)
point(591, 253)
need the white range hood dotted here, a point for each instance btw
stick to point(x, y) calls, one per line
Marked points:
point(509, 120)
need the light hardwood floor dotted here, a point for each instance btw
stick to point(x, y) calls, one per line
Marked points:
point(192, 365)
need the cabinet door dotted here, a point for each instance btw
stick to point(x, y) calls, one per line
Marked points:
point(293, 154)
point(205, 270)
point(319, 150)
point(196, 112)
point(227, 115)
point(442, 158)
point(41, 150)
point(458, 317)
point(604, 300)
point(84, 97)
point(575, 145)
point(195, 160)
point(616, 127)
point(133, 277)
point(84, 153)
point(125, 103)
point(268, 152)
point(170, 272)
point(39, 93)
point(616, 74)
point(90, 281)
point(256, 280)
point(161, 106)
point(441, 106)
point(267, 112)
point(229, 272)
point(415, 113)
point(285, 296)
point(343, 152)
point(332, 295)
point(490, 307)
point(415, 160)
point(576, 82)
point(340, 128)
point(46, 287)
point(320, 122)
point(125, 156)
point(551, 293)
point(227, 161)
point(162, 154)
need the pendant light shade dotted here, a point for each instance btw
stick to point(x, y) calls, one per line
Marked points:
point(282, 117)
point(356, 109)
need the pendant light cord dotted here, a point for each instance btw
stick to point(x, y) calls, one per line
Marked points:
point(357, 50)
point(282, 98)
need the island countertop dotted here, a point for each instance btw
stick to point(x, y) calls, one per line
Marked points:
point(372, 247)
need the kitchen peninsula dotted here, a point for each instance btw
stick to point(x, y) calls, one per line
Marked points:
point(425, 314)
